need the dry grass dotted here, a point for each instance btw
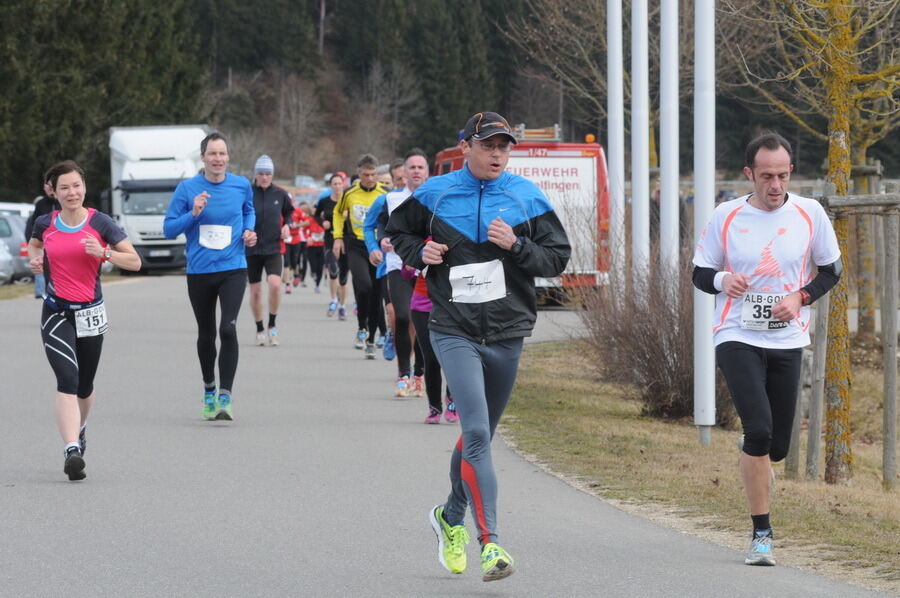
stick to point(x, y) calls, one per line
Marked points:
point(630, 330)
point(16, 290)
point(593, 432)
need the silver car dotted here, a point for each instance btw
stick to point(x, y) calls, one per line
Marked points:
point(12, 234)
point(6, 265)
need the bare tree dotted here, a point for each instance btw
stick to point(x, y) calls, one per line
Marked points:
point(836, 60)
point(243, 150)
point(321, 27)
point(394, 96)
point(300, 121)
point(567, 41)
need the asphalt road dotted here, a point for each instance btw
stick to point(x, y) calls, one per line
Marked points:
point(320, 487)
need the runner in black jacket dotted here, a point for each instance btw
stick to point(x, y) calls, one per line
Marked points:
point(484, 234)
point(273, 213)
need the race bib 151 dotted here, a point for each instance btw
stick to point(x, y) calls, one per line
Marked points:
point(91, 321)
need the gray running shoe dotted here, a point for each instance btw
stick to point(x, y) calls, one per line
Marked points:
point(74, 464)
point(760, 552)
point(370, 350)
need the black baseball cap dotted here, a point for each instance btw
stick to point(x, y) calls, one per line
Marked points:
point(487, 124)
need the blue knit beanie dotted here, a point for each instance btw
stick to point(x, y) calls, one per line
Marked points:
point(264, 164)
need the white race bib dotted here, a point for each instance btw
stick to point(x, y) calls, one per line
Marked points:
point(392, 261)
point(756, 311)
point(478, 283)
point(215, 236)
point(359, 213)
point(91, 321)
point(317, 237)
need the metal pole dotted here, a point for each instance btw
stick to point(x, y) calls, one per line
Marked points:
point(616, 140)
point(889, 341)
point(640, 147)
point(817, 396)
point(704, 192)
point(668, 134)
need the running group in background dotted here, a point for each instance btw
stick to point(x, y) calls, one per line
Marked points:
point(414, 247)
point(343, 233)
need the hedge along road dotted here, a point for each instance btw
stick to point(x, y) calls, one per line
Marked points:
point(320, 487)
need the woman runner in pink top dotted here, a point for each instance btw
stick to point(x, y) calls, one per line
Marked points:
point(68, 246)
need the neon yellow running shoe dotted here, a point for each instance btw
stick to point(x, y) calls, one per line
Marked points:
point(452, 540)
point(209, 405)
point(495, 563)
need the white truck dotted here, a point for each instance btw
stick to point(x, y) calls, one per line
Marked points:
point(146, 165)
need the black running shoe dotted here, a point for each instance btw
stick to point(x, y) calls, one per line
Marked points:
point(74, 466)
point(82, 440)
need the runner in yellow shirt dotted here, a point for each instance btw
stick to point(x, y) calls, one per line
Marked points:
point(355, 204)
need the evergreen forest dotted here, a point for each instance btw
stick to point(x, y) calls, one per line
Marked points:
point(313, 83)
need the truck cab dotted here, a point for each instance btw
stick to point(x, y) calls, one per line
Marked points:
point(147, 163)
point(573, 176)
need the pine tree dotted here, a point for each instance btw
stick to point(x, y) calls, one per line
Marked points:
point(75, 69)
point(435, 40)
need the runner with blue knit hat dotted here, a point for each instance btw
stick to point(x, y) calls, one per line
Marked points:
point(273, 213)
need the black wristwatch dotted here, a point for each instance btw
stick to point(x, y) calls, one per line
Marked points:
point(517, 247)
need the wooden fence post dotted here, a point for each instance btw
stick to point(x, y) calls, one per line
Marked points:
point(817, 396)
point(889, 345)
point(792, 459)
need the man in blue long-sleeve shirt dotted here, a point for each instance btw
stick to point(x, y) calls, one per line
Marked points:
point(215, 212)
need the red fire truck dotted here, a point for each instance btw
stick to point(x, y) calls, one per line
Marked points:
point(573, 177)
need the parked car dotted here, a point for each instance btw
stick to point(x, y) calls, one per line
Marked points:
point(6, 264)
point(12, 207)
point(725, 195)
point(12, 235)
point(305, 181)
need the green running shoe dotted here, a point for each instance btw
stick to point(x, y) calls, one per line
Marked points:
point(224, 411)
point(452, 540)
point(495, 563)
point(209, 405)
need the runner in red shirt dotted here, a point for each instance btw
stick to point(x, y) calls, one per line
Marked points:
point(315, 244)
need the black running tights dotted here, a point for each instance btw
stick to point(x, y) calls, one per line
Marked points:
point(763, 385)
point(365, 288)
point(432, 366)
point(204, 291)
point(74, 360)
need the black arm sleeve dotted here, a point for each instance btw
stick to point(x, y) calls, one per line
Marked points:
point(287, 208)
point(29, 225)
point(827, 277)
point(319, 214)
point(704, 279)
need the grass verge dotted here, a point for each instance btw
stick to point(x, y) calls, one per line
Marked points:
point(592, 433)
point(26, 289)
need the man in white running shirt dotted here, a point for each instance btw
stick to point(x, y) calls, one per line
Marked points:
point(756, 255)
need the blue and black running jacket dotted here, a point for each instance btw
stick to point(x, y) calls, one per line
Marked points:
point(456, 209)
